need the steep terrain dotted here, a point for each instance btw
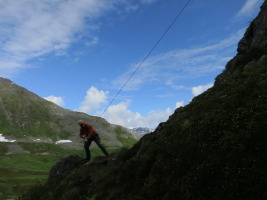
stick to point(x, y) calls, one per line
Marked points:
point(213, 148)
point(26, 117)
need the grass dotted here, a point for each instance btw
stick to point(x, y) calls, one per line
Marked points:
point(124, 137)
point(14, 181)
point(19, 172)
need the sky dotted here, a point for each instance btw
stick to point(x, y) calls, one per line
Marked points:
point(93, 56)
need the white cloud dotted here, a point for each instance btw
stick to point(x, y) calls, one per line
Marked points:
point(93, 99)
point(179, 104)
point(200, 89)
point(30, 28)
point(249, 8)
point(168, 68)
point(181, 64)
point(132, 6)
point(120, 114)
point(57, 100)
point(93, 41)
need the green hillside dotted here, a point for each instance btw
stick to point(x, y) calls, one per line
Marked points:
point(36, 125)
point(24, 116)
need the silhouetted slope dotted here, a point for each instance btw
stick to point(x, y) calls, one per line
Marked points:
point(213, 148)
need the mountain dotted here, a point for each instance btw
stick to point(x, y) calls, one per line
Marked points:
point(214, 148)
point(140, 131)
point(26, 117)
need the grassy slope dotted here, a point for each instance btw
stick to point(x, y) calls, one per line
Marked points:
point(19, 172)
point(125, 137)
point(24, 115)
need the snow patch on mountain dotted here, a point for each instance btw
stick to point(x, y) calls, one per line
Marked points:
point(3, 139)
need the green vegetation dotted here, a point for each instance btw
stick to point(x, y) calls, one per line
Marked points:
point(124, 137)
point(25, 116)
point(19, 172)
point(15, 181)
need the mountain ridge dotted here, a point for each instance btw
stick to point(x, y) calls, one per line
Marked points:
point(26, 117)
point(140, 131)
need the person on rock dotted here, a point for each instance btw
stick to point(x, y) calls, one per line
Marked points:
point(89, 134)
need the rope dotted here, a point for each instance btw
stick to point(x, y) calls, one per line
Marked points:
point(149, 53)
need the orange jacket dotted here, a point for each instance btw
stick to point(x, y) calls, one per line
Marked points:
point(88, 131)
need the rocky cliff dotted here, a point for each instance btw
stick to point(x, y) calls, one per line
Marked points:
point(213, 148)
point(256, 34)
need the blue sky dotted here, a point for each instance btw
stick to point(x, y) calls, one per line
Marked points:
point(79, 53)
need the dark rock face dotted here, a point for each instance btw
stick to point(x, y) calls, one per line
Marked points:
point(256, 34)
point(64, 167)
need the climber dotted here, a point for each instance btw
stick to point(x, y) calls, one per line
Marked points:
point(88, 133)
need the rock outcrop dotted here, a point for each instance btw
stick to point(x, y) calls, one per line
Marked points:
point(256, 34)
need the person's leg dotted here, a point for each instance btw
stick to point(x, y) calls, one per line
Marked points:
point(97, 141)
point(87, 144)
